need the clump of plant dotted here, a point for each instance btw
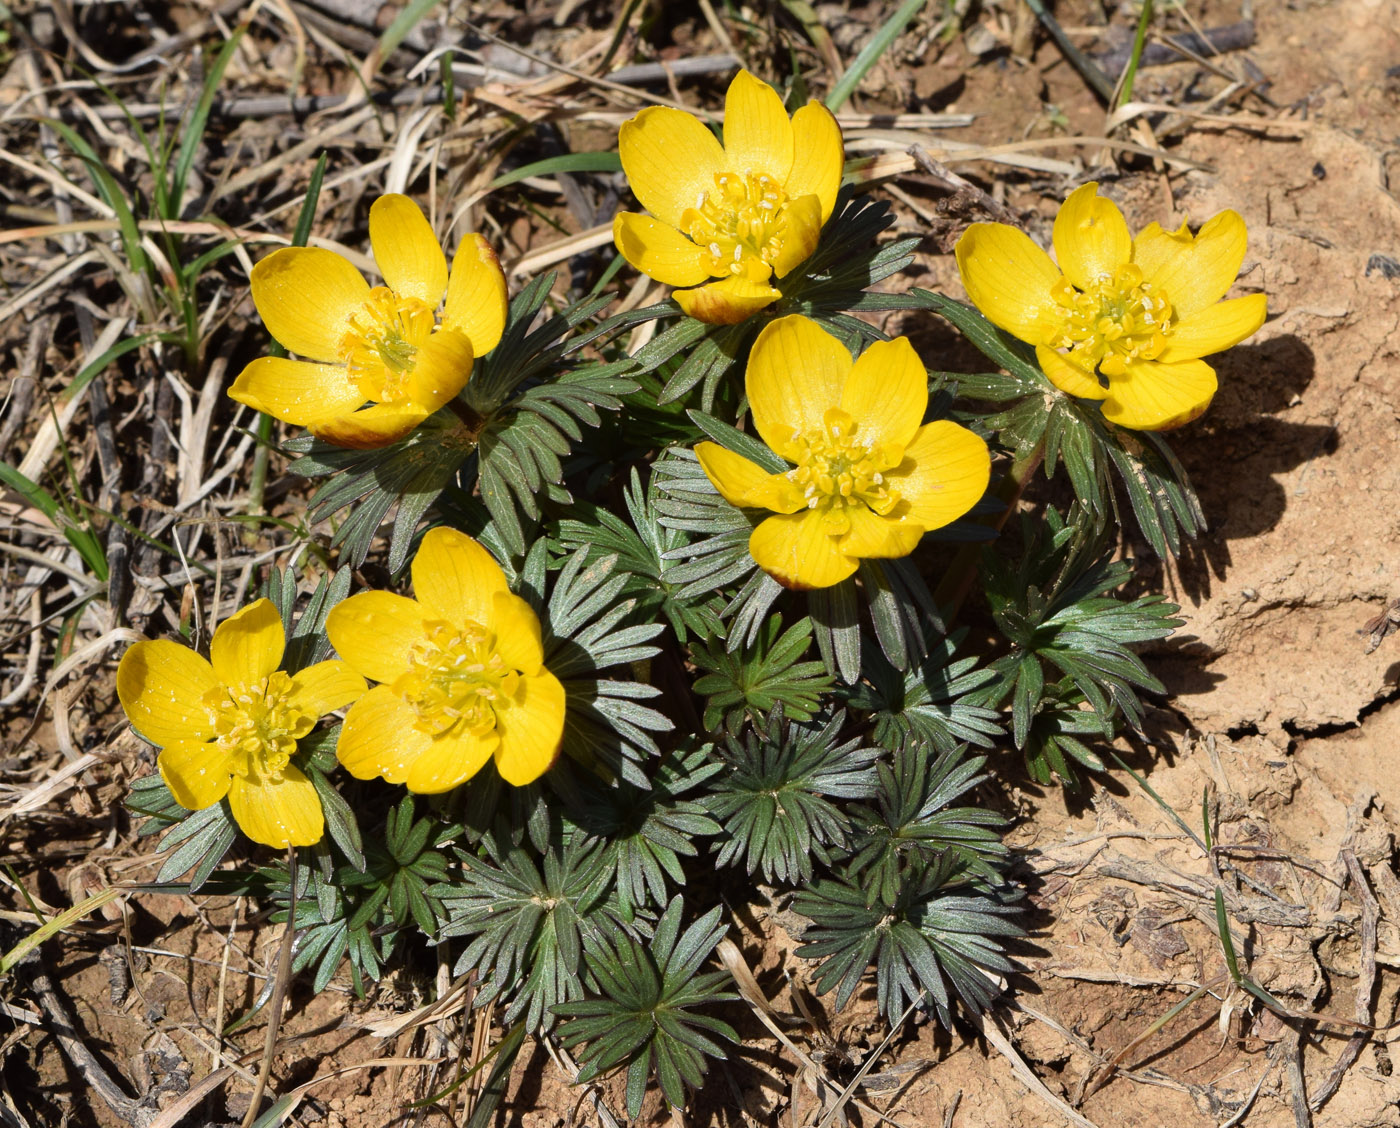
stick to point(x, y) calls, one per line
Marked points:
point(661, 626)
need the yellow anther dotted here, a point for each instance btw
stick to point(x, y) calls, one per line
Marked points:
point(740, 225)
point(258, 724)
point(836, 467)
point(454, 678)
point(1119, 318)
point(382, 343)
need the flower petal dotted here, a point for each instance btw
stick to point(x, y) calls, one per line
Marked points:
point(299, 392)
point(375, 632)
point(671, 161)
point(380, 425)
point(757, 129)
point(197, 773)
point(944, 474)
point(886, 393)
point(818, 157)
point(326, 687)
point(531, 728)
point(1215, 328)
point(280, 811)
point(379, 738)
point(440, 370)
point(456, 579)
point(1091, 236)
point(1068, 376)
point(728, 302)
point(476, 295)
point(873, 536)
point(306, 297)
point(451, 759)
point(519, 641)
point(162, 685)
point(1009, 278)
point(797, 370)
point(658, 251)
point(801, 231)
point(248, 646)
point(746, 484)
point(406, 251)
point(1152, 396)
point(1193, 272)
point(798, 552)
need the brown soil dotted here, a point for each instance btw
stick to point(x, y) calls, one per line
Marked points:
point(1275, 712)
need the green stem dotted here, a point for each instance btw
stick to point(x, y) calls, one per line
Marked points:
point(1125, 87)
point(257, 485)
point(957, 581)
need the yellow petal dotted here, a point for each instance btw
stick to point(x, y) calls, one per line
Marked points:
point(531, 728)
point(476, 295)
point(406, 251)
point(1193, 272)
point(375, 632)
point(162, 686)
point(757, 130)
point(944, 474)
point(450, 760)
point(1152, 396)
point(728, 302)
point(1215, 328)
point(381, 425)
point(1091, 237)
point(1067, 376)
point(278, 811)
point(799, 234)
point(196, 772)
point(1008, 278)
point(746, 484)
point(874, 537)
point(441, 369)
point(456, 579)
point(886, 393)
point(798, 552)
point(671, 161)
point(378, 737)
point(299, 392)
point(249, 645)
point(518, 637)
point(818, 156)
point(306, 297)
point(326, 687)
point(658, 251)
point(797, 370)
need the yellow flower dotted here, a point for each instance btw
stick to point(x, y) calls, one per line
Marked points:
point(229, 726)
point(870, 477)
point(385, 345)
point(462, 673)
point(1129, 319)
point(741, 212)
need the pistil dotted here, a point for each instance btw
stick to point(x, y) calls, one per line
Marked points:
point(455, 678)
point(382, 343)
point(836, 467)
point(739, 225)
point(1120, 318)
point(258, 724)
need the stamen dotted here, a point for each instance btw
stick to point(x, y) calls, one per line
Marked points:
point(381, 344)
point(1120, 317)
point(837, 468)
point(258, 724)
point(740, 224)
point(455, 676)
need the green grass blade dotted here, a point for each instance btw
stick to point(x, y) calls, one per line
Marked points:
point(110, 192)
point(403, 23)
point(194, 128)
point(93, 367)
point(1125, 94)
point(1222, 922)
point(870, 54)
point(32, 492)
point(568, 162)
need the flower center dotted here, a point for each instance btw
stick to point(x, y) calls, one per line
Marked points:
point(739, 224)
point(382, 342)
point(258, 725)
point(835, 468)
point(1120, 316)
point(455, 677)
